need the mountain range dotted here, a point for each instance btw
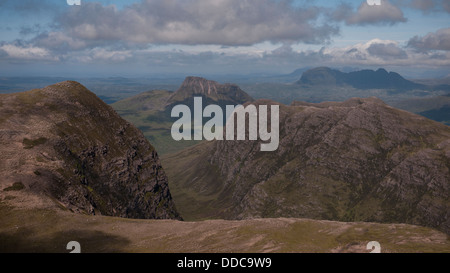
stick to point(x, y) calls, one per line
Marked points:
point(344, 173)
point(363, 79)
point(151, 111)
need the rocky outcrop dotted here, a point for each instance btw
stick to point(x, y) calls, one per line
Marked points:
point(213, 91)
point(63, 142)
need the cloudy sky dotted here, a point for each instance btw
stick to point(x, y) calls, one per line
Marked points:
point(151, 37)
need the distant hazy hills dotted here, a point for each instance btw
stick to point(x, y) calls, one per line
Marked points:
point(436, 108)
point(425, 97)
point(359, 160)
point(63, 146)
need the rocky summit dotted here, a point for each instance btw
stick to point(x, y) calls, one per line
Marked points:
point(63, 146)
point(359, 160)
point(211, 90)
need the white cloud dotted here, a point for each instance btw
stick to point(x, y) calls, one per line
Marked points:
point(439, 40)
point(225, 22)
point(379, 52)
point(58, 41)
point(102, 54)
point(17, 52)
point(261, 57)
point(366, 14)
point(384, 51)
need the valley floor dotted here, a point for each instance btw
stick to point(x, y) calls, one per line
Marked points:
point(49, 230)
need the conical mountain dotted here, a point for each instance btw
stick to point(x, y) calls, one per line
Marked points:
point(211, 90)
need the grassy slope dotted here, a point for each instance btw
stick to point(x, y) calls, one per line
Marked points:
point(196, 187)
point(146, 111)
point(50, 231)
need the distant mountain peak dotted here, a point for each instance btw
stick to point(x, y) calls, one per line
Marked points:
point(382, 70)
point(197, 86)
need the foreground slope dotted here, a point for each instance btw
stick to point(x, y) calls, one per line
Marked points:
point(51, 230)
point(63, 145)
point(359, 160)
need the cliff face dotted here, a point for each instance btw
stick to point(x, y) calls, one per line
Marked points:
point(359, 160)
point(63, 142)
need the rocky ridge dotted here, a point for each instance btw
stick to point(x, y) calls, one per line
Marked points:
point(62, 143)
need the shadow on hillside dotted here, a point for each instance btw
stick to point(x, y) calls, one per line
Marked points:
point(24, 240)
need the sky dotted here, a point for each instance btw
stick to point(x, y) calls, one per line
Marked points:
point(235, 37)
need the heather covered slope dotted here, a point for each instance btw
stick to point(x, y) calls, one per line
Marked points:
point(65, 146)
point(358, 160)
